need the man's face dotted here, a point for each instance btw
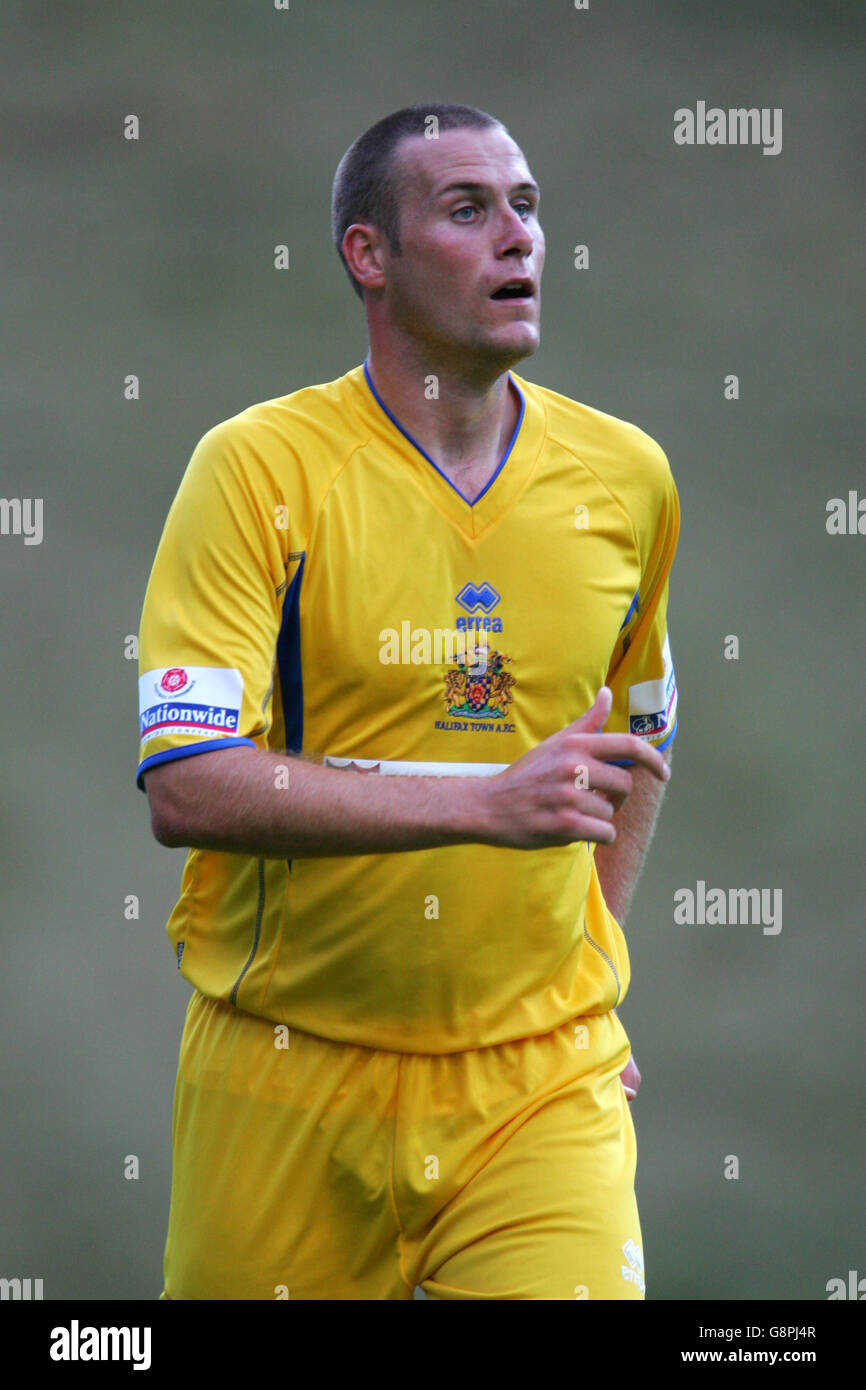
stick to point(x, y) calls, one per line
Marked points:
point(468, 226)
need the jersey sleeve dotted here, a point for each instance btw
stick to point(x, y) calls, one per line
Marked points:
point(641, 676)
point(210, 621)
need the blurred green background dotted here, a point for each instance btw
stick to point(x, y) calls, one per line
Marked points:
point(155, 257)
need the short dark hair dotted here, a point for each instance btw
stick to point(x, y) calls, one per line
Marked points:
point(366, 186)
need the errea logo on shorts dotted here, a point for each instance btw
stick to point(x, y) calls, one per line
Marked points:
point(633, 1271)
point(199, 701)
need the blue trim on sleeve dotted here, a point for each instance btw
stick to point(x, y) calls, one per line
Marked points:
point(173, 753)
point(414, 442)
point(670, 738)
point(289, 663)
point(289, 666)
point(635, 603)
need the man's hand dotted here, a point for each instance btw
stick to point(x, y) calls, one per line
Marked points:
point(566, 789)
point(630, 1078)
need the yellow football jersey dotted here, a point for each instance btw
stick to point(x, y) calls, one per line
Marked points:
point(321, 587)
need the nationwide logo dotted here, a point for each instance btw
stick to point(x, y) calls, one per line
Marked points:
point(647, 723)
point(657, 721)
point(187, 719)
point(652, 705)
point(214, 713)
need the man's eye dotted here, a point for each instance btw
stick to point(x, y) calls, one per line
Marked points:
point(524, 207)
point(457, 212)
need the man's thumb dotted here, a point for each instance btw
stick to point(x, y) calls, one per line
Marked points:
point(597, 715)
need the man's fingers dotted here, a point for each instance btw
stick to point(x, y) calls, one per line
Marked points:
point(617, 748)
point(605, 778)
point(600, 832)
point(595, 804)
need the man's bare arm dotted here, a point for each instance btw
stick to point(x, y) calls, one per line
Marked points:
point(275, 806)
point(619, 864)
point(240, 800)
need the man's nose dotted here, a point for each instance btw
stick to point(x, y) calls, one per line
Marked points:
point(516, 233)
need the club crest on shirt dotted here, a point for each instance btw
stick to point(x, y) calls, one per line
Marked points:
point(479, 688)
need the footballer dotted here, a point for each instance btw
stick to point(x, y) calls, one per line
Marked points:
point(407, 695)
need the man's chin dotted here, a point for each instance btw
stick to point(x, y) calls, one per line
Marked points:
point(512, 346)
point(488, 355)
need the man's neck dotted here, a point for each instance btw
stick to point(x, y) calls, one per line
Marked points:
point(463, 425)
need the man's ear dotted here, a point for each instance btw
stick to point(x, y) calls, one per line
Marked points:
point(363, 250)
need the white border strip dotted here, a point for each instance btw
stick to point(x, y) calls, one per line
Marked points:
point(396, 769)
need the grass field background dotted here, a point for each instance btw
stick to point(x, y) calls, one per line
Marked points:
point(155, 257)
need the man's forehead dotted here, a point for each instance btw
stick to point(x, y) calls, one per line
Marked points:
point(470, 155)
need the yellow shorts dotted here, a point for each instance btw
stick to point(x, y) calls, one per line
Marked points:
point(319, 1170)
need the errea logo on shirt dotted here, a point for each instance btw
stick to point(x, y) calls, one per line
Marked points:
point(474, 597)
point(198, 701)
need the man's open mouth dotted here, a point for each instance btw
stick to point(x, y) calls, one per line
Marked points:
point(514, 289)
